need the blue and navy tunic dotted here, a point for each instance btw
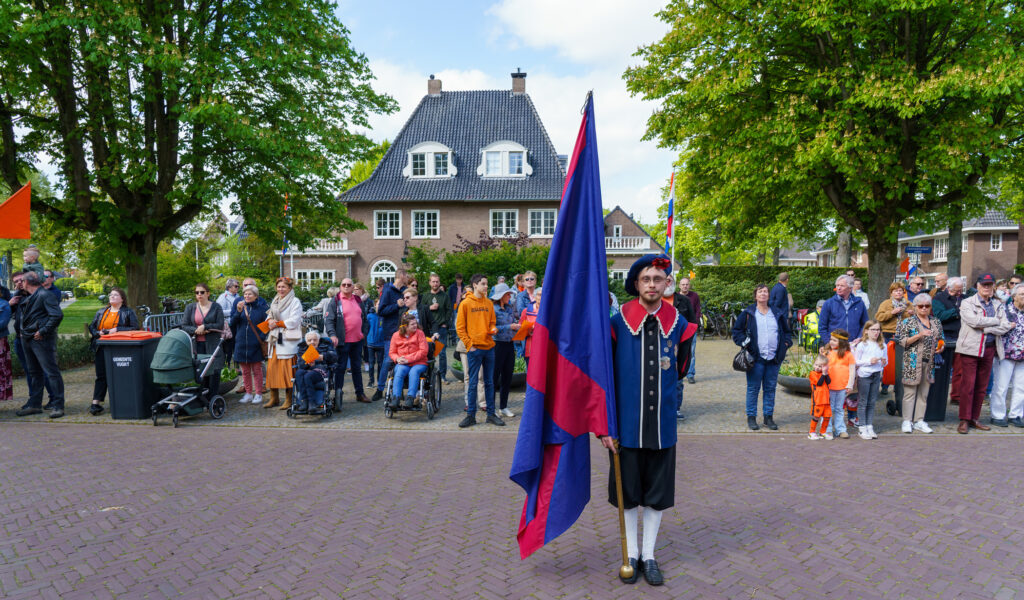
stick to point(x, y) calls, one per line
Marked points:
point(647, 351)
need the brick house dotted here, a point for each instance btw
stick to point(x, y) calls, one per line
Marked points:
point(465, 161)
point(625, 241)
point(989, 246)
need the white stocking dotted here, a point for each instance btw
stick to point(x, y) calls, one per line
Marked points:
point(631, 523)
point(652, 521)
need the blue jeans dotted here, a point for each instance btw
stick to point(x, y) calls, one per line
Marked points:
point(382, 376)
point(868, 387)
point(762, 376)
point(692, 372)
point(401, 372)
point(376, 361)
point(353, 354)
point(838, 422)
point(475, 360)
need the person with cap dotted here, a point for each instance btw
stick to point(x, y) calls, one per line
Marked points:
point(766, 333)
point(650, 348)
point(983, 322)
point(507, 324)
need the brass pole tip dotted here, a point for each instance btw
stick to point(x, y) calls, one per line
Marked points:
point(625, 571)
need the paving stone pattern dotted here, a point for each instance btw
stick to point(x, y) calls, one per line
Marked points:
point(205, 512)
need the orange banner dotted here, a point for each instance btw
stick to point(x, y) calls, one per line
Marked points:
point(15, 215)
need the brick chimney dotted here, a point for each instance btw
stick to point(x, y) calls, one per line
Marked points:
point(433, 86)
point(519, 82)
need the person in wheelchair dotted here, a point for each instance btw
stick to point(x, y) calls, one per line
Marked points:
point(312, 372)
point(409, 353)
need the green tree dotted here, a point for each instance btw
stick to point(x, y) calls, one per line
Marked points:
point(873, 111)
point(158, 110)
point(362, 169)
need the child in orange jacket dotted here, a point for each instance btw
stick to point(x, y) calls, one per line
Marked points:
point(842, 370)
point(821, 410)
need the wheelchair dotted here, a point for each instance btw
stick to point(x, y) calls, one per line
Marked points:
point(429, 395)
point(332, 397)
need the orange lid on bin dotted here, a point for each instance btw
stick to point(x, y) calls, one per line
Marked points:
point(131, 335)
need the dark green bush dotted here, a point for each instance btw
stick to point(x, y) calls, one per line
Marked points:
point(72, 351)
point(717, 285)
point(507, 260)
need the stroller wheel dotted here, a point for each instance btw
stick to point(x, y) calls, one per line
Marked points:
point(388, 411)
point(890, 407)
point(217, 407)
point(328, 411)
point(290, 413)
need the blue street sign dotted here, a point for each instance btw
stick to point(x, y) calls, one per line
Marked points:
point(918, 250)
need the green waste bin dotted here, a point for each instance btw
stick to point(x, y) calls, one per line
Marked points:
point(129, 379)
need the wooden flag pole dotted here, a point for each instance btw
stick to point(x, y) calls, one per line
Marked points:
point(625, 571)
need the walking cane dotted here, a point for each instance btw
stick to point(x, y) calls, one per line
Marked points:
point(625, 571)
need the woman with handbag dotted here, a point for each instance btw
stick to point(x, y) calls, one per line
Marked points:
point(250, 342)
point(113, 317)
point(204, 320)
point(285, 332)
point(765, 334)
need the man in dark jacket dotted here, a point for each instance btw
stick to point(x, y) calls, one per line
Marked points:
point(946, 308)
point(347, 326)
point(439, 303)
point(389, 309)
point(842, 311)
point(779, 297)
point(40, 316)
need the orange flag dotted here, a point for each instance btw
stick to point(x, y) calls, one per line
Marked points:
point(14, 215)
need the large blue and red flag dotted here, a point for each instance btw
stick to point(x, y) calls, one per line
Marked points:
point(670, 232)
point(569, 392)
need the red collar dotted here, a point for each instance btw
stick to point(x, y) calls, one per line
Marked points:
point(633, 313)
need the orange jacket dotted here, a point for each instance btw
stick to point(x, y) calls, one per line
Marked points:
point(840, 370)
point(475, 321)
point(412, 348)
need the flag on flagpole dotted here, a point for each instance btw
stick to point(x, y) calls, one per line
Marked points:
point(16, 215)
point(569, 392)
point(670, 238)
point(284, 241)
point(910, 272)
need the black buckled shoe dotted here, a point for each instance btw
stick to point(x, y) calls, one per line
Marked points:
point(95, 409)
point(637, 565)
point(769, 423)
point(652, 573)
point(752, 423)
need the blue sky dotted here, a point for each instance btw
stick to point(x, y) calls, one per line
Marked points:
point(566, 48)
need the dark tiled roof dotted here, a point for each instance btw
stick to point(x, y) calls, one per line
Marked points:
point(992, 218)
point(466, 122)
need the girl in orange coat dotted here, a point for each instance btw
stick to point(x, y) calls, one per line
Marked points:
point(821, 410)
point(409, 353)
point(842, 369)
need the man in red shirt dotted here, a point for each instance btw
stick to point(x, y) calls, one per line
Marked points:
point(347, 326)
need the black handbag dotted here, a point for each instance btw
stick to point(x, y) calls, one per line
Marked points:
point(744, 360)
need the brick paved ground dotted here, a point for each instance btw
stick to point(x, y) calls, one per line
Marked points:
point(715, 404)
point(211, 512)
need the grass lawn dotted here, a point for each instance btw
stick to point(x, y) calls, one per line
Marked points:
point(78, 314)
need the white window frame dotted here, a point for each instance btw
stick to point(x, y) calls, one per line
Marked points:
point(304, 278)
point(616, 230)
point(503, 147)
point(388, 274)
point(619, 274)
point(541, 211)
point(490, 221)
point(492, 159)
point(940, 249)
point(965, 242)
point(522, 164)
point(437, 225)
point(441, 159)
point(376, 229)
point(430, 152)
point(995, 243)
point(422, 166)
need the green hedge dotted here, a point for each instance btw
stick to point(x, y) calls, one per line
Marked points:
point(72, 351)
point(506, 260)
point(735, 284)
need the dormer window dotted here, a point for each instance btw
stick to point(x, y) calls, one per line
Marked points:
point(504, 159)
point(430, 160)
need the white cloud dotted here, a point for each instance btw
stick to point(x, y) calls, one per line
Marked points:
point(583, 31)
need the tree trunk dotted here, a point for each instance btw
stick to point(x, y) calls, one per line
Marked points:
point(956, 247)
point(140, 272)
point(761, 257)
point(843, 249)
point(882, 267)
point(778, 251)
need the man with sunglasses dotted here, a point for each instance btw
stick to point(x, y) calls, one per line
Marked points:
point(347, 326)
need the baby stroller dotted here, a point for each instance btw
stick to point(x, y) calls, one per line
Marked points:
point(429, 394)
point(176, 362)
point(328, 363)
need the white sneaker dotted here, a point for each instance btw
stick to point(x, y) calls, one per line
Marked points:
point(507, 413)
point(922, 426)
point(813, 436)
point(907, 427)
point(828, 436)
point(246, 398)
point(871, 431)
point(863, 433)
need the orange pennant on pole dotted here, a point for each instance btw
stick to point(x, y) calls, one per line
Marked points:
point(15, 223)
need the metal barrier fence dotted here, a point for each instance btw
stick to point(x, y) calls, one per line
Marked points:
point(163, 322)
point(313, 322)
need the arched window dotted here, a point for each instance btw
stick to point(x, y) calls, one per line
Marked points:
point(429, 160)
point(504, 158)
point(383, 269)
